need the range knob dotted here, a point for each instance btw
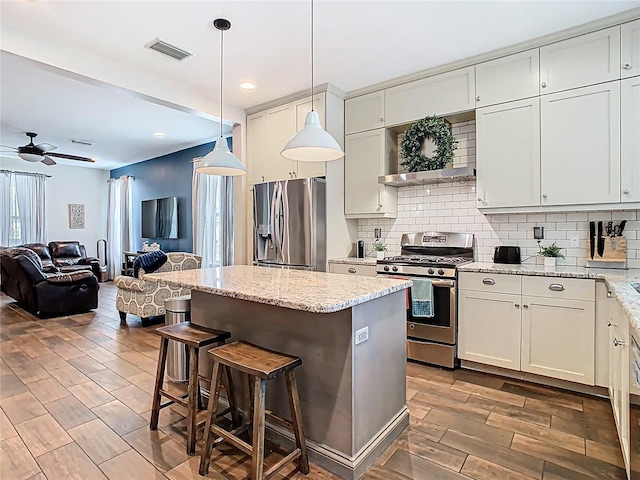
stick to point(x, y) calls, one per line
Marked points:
point(395, 269)
point(430, 271)
point(386, 269)
point(441, 272)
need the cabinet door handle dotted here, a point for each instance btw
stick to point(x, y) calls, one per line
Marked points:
point(478, 98)
point(525, 306)
point(489, 281)
point(609, 295)
point(626, 191)
point(556, 287)
point(382, 119)
point(544, 84)
point(544, 195)
point(263, 178)
point(609, 324)
point(352, 270)
point(626, 66)
point(617, 343)
point(517, 305)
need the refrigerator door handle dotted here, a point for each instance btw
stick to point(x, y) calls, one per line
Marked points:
point(273, 221)
point(286, 256)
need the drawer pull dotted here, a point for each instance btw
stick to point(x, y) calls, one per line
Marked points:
point(489, 281)
point(617, 343)
point(556, 287)
point(352, 270)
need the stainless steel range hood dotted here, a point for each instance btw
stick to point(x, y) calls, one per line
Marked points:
point(447, 175)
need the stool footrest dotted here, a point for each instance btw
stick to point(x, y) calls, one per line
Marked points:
point(292, 456)
point(279, 420)
point(178, 400)
point(232, 439)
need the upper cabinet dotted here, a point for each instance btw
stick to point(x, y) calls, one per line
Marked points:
point(257, 165)
point(508, 154)
point(513, 77)
point(281, 126)
point(580, 61)
point(630, 138)
point(580, 145)
point(630, 49)
point(443, 94)
point(365, 112)
point(367, 155)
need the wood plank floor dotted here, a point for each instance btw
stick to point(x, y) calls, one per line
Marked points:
point(75, 399)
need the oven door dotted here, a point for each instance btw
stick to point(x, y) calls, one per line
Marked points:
point(442, 326)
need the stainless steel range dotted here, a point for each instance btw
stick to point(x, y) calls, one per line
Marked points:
point(434, 255)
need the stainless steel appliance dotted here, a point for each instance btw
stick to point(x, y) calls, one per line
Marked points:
point(289, 224)
point(435, 255)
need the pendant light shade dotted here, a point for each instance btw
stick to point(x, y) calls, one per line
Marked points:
point(312, 143)
point(220, 161)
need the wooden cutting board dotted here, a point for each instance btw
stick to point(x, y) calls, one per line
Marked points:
point(615, 250)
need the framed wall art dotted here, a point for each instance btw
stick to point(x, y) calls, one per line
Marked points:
point(76, 215)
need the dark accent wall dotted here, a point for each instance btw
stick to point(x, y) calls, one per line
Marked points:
point(166, 176)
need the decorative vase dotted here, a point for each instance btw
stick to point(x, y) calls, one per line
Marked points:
point(380, 254)
point(550, 261)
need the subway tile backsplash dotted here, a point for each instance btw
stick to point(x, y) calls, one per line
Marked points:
point(452, 207)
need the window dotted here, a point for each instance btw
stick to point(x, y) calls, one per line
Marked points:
point(15, 232)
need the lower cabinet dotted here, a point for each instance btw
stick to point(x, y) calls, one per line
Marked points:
point(548, 329)
point(558, 338)
point(619, 374)
point(489, 328)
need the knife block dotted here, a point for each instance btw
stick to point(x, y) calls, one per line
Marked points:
point(615, 253)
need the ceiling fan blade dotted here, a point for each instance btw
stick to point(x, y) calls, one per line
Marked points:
point(46, 147)
point(47, 160)
point(71, 157)
point(7, 146)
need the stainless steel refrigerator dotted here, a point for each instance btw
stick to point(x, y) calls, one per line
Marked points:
point(289, 224)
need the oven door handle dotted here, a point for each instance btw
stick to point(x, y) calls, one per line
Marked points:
point(443, 283)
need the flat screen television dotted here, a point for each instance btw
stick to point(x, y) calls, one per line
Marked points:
point(160, 218)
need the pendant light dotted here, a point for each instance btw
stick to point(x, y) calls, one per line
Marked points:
point(220, 161)
point(312, 143)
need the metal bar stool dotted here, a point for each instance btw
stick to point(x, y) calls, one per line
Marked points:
point(262, 365)
point(193, 337)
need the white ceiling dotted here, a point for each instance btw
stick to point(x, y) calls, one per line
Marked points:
point(357, 43)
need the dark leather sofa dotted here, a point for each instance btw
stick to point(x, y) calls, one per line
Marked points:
point(68, 256)
point(45, 294)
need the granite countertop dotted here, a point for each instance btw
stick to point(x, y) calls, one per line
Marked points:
point(354, 260)
point(618, 281)
point(317, 292)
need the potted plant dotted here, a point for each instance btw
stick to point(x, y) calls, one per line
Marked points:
point(379, 248)
point(550, 254)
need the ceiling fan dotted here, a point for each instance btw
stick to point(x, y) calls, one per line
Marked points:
point(42, 152)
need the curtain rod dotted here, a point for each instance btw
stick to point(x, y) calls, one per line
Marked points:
point(26, 173)
point(117, 178)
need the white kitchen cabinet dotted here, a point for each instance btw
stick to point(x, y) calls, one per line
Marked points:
point(580, 145)
point(280, 127)
point(619, 374)
point(365, 112)
point(257, 162)
point(509, 78)
point(558, 338)
point(508, 154)
point(603, 318)
point(368, 155)
point(353, 269)
point(630, 139)
point(630, 49)
point(443, 94)
point(489, 328)
point(580, 61)
point(302, 107)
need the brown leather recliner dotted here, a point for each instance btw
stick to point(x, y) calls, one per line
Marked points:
point(45, 294)
point(71, 255)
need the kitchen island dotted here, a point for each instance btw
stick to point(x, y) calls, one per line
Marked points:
point(353, 397)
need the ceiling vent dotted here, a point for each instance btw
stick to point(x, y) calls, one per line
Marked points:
point(168, 49)
point(86, 143)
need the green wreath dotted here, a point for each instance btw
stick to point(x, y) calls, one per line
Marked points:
point(436, 129)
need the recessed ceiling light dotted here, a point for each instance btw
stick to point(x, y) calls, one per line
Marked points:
point(159, 134)
point(248, 85)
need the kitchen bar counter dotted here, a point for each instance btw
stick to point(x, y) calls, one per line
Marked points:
point(317, 292)
point(618, 281)
point(352, 395)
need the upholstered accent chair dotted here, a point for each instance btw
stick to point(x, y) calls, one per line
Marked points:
point(145, 298)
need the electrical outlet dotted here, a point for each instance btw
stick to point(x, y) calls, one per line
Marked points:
point(538, 233)
point(574, 240)
point(361, 335)
point(377, 233)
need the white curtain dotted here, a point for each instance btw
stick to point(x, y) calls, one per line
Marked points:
point(23, 208)
point(212, 205)
point(119, 222)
